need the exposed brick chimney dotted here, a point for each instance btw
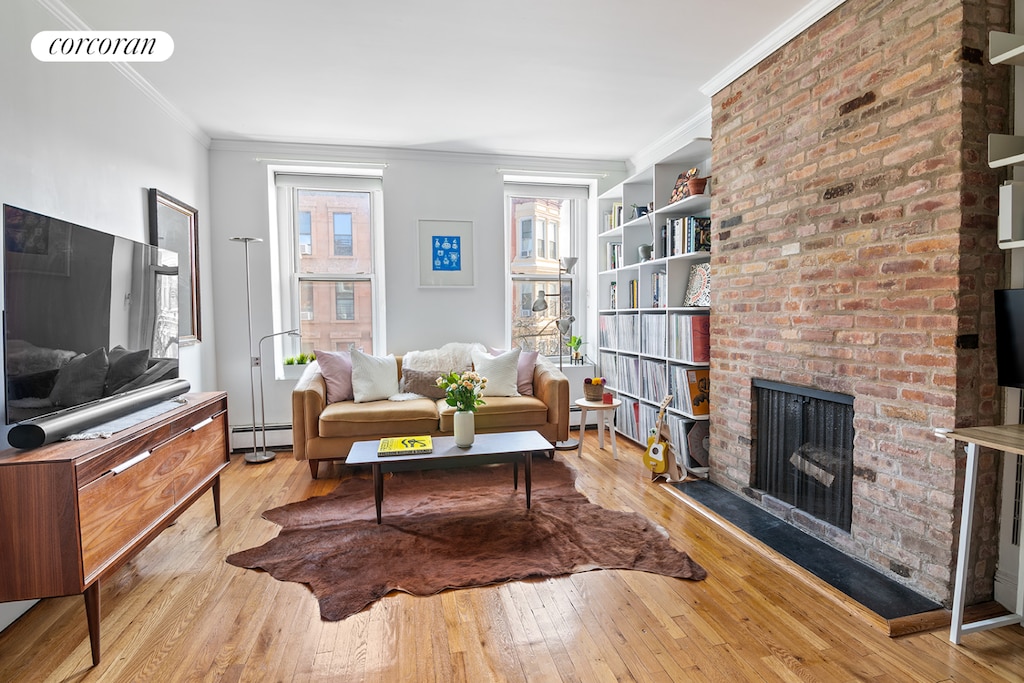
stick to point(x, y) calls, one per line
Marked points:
point(854, 251)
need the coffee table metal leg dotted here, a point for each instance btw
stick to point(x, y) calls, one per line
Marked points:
point(515, 475)
point(528, 456)
point(378, 488)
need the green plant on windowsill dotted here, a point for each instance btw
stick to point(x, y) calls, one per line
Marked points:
point(301, 359)
point(575, 344)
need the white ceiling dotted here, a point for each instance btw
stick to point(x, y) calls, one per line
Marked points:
point(589, 79)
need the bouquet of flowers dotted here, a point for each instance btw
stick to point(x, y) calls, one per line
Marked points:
point(463, 391)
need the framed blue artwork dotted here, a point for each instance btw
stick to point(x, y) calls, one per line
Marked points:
point(446, 253)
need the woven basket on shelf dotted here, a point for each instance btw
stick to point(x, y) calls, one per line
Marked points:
point(593, 392)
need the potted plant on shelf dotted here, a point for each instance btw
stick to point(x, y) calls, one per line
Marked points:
point(295, 365)
point(575, 344)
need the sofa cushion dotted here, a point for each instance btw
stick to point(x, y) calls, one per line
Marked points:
point(500, 413)
point(502, 372)
point(422, 382)
point(373, 377)
point(374, 419)
point(336, 367)
point(527, 361)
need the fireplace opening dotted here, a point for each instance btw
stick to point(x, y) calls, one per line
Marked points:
point(804, 449)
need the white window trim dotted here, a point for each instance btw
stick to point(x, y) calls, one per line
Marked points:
point(283, 259)
point(584, 193)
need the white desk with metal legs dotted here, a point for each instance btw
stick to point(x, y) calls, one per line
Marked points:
point(1003, 438)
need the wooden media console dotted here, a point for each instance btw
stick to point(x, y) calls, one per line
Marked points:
point(73, 512)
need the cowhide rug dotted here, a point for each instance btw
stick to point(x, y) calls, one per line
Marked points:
point(453, 529)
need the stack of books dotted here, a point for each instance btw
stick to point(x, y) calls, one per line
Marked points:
point(687, 235)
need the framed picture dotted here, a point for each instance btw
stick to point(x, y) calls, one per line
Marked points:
point(174, 227)
point(446, 253)
point(36, 244)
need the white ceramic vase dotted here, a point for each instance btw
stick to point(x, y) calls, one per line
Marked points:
point(465, 430)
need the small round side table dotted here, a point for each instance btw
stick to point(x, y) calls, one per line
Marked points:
point(604, 419)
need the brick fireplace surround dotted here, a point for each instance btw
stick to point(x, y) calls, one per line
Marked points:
point(854, 251)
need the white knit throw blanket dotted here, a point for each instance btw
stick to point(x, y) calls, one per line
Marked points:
point(453, 356)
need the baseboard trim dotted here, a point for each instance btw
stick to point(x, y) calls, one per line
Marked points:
point(243, 437)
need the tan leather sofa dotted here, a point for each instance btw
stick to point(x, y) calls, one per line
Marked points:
point(322, 431)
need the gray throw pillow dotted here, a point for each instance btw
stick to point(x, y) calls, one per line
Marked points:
point(81, 380)
point(125, 366)
point(158, 372)
point(422, 382)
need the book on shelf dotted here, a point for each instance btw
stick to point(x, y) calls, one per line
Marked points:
point(697, 388)
point(697, 443)
point(405, 445)
point(613, 255)
point(688, 235)
point(690, 441)
point(613, 291)
point(689, 338)
point(652, 334)
point(659, 299)
point(700, 338)
point(698, 234)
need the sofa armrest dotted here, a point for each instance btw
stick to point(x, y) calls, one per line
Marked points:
point(309, 398)
point(552, 386)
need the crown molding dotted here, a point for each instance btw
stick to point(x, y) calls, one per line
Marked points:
point(69, 19)
point(697, 126)
point(301, 152)
point(793, 27)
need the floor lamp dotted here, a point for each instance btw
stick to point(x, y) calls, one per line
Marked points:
point(264, 454)
point(564, 326)
point(255, 457)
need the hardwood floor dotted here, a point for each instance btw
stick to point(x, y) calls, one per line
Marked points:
point(179, 612)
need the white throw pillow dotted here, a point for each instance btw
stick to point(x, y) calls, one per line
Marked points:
point(502, 372)
point(374, 378)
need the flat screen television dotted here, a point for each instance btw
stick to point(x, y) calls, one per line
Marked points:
point(1009, 310)
point(88, 315)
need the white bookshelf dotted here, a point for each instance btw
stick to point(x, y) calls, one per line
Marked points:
point(645, 329)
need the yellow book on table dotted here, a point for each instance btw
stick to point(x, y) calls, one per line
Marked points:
point(405, 445)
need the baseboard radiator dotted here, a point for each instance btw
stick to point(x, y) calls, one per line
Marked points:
point(279, 437)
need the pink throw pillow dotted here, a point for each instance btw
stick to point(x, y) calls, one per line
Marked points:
point(336, 367)
point(527, 360)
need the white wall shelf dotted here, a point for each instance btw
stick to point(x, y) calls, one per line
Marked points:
point(1005, 48)
point(645, 328)
point(1005, 150)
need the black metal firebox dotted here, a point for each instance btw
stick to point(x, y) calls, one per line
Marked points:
point(804, 449)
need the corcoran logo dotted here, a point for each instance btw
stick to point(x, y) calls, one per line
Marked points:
point(102, 46)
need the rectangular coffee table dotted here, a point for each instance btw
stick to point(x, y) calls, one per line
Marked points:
point(487, 449)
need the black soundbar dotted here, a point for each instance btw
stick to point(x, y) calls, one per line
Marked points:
point(44, 430)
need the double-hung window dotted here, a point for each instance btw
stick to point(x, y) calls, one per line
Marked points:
point(544, 224)
point(330, 267)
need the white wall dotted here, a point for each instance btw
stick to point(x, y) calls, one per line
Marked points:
point(83, 144)
point(417, 185)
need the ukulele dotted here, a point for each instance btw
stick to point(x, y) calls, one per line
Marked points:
point(655, 456)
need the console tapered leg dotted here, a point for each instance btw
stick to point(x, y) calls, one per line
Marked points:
point(92, 616)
